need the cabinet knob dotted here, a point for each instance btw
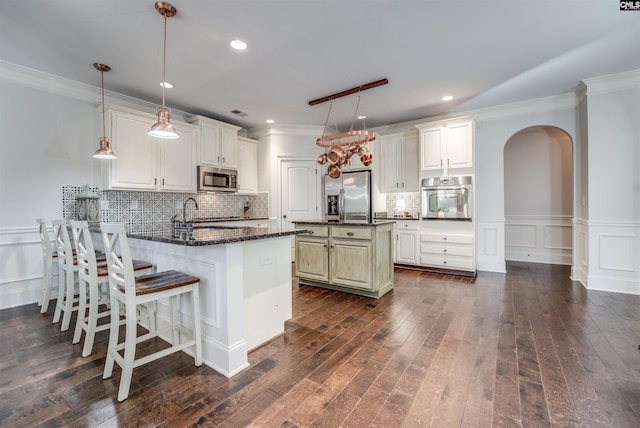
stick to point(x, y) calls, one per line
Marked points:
point(311, 232)
point(445, 262)
point(218, 158)
point(349, 233)
point(445, 238)
point(223, 161)
point(444, 251)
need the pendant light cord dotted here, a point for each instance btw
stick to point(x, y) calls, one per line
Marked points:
point(164, 59)
point(103, 127)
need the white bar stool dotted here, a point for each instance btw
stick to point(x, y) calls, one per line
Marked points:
point(66, 268)
point(130, 291)
point(48, 255)
point(92, 275)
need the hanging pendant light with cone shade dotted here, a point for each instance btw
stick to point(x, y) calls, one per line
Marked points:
point(163, 128)
point(104, 152)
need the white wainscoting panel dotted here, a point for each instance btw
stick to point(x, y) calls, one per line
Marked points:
point(21, 267)
point(614, 256)
point(580, 267)
point(490, 252)
point(539, 239)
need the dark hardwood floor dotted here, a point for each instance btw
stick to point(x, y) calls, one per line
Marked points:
point(529, 348)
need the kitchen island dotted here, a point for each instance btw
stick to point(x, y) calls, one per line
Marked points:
point(353, 257)
point(245, 285)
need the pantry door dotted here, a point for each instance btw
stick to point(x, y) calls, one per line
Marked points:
point(299, 190)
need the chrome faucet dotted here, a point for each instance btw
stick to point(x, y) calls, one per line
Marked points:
point(184, 210)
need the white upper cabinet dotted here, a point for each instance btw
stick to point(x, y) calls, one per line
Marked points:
point(399, 162)
point(446, 146)
point(247, 165)
point(145, 162)
point(218, 142)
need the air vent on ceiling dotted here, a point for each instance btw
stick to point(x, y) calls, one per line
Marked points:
point(239, 113)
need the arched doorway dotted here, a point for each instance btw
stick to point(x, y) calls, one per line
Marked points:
point(538, 196)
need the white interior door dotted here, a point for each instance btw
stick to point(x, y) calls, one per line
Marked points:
point(300, 191)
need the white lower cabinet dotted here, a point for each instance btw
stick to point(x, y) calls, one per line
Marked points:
point(447, 251)
point(407, 237)
point(356, 259)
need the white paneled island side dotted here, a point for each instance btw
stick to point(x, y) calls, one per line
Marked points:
point(245, 286)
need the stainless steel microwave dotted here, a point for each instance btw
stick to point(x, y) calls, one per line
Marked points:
point(212, 179)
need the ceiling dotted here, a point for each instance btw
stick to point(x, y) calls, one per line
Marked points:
point(483, 52)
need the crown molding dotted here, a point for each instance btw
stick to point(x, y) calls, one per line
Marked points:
point(303, 130)
point(29, 77)
point(612, 82)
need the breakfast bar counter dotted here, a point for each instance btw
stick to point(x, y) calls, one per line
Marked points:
point(245, 285)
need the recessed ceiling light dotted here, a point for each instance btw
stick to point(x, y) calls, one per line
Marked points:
point(362, 117)
point(238, 44)
point(447, 98)
point(270, 121)
point(167, 85)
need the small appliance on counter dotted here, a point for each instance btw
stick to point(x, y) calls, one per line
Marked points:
point(348, 197)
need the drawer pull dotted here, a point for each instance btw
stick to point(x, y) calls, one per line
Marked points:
point(445, 238)
point(311, 232)
point(349, 233)
point(444, 251)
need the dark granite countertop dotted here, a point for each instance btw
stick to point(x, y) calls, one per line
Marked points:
point(219, 219)
point(345, 223)
point(216, 236)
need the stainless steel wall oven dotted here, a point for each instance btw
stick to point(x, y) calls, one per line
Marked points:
point(447, 198)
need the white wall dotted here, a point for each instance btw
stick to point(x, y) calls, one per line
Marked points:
point(613, 108)
point(493, 129)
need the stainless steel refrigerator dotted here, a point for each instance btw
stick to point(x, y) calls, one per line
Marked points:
point(348, 198)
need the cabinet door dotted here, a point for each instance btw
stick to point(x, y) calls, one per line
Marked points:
point(247, 167)
point(229, 148)
point(431, 148)
point(406, 247)
point(178, 161)
point(210, 141)
point(136, 165)
point(312, 258)
point(460, 145)
point(408, 168)
point(389, 163)
point(351, 263)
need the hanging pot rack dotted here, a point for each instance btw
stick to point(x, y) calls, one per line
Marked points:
point(339, 147)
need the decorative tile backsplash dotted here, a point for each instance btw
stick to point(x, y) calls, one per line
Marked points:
point(152, 211)
point(399, 203)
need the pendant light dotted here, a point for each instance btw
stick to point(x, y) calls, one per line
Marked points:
point(163, 128)
point(104, 152)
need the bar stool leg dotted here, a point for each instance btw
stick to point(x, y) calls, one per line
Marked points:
point(129, 353)
point(175, 318)
point(48, 284)
point(195, 297)
point(61, 291)
point(82, 309)
point(114, 330)
point(68, 301)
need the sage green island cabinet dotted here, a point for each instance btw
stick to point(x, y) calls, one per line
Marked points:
point(351, 257)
